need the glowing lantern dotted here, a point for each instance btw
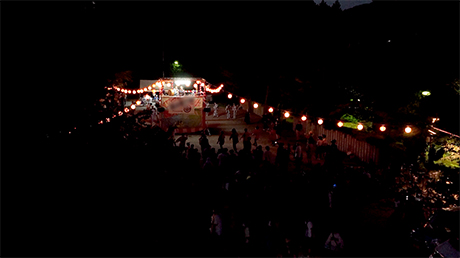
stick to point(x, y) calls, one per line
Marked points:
point(100, 122)
point(242, 101)
point(195, 85)
point(286, 114)
point(107, 119)
point(360, 127)
point(118, 89)
point(229, 96)
point(408, 129)
point(270, 110)
point(340, 124)
point(133, 106)
point(256, 105)
point(320, 121)
point(304, 118)
point(198, 82)
point(138, 103)
point(129, 91)
point(134, 92)
point(120, 113)
point(382, 128)
point(145, 89)
point(150, 87)
point(126, 110)
point(202, 84)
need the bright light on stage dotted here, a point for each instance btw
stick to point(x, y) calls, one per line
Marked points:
point(183, 82)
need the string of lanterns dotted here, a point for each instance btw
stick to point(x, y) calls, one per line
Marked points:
point(168, 82)
point(320, 121)
point(360, 126)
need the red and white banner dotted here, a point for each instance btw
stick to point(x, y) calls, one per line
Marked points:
point(185, 104)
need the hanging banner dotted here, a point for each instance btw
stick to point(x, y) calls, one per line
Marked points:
point(181, 105)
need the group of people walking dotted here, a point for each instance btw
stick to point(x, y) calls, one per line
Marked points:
point(230, 110)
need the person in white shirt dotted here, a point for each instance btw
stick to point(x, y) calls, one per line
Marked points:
point(334, 242)
point(215, 110)
point(154, 116)
point(227, 110)
point(308, 232)
point(246, 233)
point(235, 110)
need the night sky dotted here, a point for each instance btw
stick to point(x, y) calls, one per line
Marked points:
point(66, 51)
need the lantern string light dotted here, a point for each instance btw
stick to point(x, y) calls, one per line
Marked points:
point(207, 88)
point(168, 82)
point(408, 129)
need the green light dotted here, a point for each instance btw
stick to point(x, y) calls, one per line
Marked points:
point(426, 93)
point(175, 62)
point(351, 99)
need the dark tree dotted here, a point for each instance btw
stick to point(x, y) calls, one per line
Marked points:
point(323, 5)
point(336, 6)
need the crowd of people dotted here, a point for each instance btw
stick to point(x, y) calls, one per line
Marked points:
point(240, 202)
point(255, 195)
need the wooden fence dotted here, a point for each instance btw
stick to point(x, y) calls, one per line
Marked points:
point(346, 143)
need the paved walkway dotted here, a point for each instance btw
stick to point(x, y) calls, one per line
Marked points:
point(221, 123)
